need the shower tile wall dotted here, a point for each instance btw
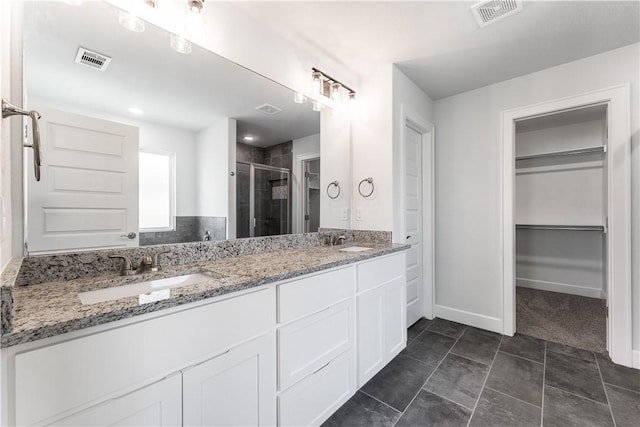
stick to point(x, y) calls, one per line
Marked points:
point(188, 229)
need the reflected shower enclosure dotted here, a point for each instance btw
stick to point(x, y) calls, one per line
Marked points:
point(262, 200)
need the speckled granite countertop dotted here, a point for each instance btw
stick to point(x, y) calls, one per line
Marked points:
point(54, 308)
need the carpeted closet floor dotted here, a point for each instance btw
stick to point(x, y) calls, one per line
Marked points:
point(567, 319)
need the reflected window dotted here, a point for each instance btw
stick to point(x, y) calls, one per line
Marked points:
point(156, 191)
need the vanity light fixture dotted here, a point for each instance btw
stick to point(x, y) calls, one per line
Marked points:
point(180, 44)
point(248, 138)
point(327, 92)
point(135, 110)
point(131, 22)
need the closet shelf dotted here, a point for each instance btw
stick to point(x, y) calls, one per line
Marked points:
point(560, 227)
point(586, 150)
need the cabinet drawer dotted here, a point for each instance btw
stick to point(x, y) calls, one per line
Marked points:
point(380, 270)
point(310, 294)
point(314, 399)
point(74, 374)
point(309, 343)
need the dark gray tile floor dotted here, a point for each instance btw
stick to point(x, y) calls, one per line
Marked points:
point(454, 375)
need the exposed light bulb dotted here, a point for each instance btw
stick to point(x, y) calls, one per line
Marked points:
point(135, 110)
point(317, 106)
point(248, 138)
point(316, 83)
point(299, 98)
point(131, 22)
point(335, 91)
point(180, 44)
point(195, 26)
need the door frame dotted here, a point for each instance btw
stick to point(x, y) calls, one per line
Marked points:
point(411, 118)
point(298, 188)
point(619, 327)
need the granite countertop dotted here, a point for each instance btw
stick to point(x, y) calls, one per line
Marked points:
point(54, 308)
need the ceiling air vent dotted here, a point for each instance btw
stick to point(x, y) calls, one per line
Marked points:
point(488, 12)
point(268, 109)
point(91, 59)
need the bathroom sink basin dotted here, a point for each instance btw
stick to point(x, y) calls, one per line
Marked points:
point(147, 291)
point(354, 249)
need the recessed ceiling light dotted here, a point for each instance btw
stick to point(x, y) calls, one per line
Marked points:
point(248, 138)
point(135, 110)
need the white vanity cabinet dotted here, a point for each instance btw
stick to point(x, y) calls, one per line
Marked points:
point(381, 308)
point(289, 354)
point(71, 378)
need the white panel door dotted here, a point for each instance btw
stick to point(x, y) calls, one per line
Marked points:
point(88, 194)
point(236, 388)
point(413, 223)
point(159, 404)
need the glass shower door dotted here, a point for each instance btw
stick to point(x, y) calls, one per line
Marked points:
point(263, 194)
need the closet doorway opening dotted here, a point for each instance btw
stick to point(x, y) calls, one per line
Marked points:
point(566, 211)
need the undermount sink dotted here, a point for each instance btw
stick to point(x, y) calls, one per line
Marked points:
point(147, 291)
point(354, 249)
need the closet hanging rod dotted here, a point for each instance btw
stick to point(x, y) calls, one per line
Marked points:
point(587, 150)
point(561, 227)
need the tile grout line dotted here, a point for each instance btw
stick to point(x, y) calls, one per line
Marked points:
point(485, 382)
point(511, 397)
point(544, 380)
point(430, 375)
point(378, 400)
point(577, 395)
point(524, 358)
point(606, 395)
point(621, 388)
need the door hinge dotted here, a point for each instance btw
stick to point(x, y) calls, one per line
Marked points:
point(307, 175)
point(306, 217)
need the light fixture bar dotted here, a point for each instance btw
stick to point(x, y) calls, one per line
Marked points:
point(328, 77)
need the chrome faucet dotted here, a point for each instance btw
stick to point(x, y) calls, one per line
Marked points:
point(333, 240)
point(148, 263)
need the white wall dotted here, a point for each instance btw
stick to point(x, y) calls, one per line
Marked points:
point(212, 181)
point(309, 145)
point(409, 97)
point(371, 136)
point(335, 146)
point(468, 177)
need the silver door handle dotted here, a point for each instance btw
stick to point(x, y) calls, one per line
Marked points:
point(9, 110)
point(131, 235)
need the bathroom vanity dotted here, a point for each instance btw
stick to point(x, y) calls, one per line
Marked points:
point(273, 338)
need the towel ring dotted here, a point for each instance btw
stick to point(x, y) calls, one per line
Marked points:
point(370, 181)
point(333, 184)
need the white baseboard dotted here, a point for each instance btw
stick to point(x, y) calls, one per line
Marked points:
point(636, 359)
point(467, 318)
point(563, 288)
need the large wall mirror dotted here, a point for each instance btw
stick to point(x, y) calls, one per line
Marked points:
point(144, 145)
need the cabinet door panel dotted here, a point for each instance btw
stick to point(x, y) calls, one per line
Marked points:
point(395, 317)
point(159, 404)
point(371, 330)
point(236, 388)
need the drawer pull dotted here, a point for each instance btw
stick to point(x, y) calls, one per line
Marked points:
point(321, 368)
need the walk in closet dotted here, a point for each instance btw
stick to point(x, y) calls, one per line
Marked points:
point(561, 226)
